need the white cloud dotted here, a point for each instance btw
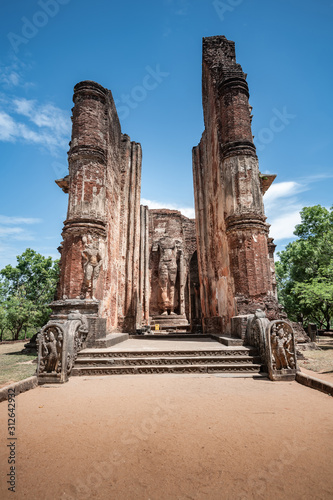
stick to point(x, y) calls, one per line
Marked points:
point(282, 190)
point(15, 233)
point(11, 230)
point(282, 208)
point(187, 211)
point(7, 231)
point(52, 125)
point(283, 204)
point(12, 74)
point(282, 227)
point(45, 115)
point(4, 219)
point(7, 127)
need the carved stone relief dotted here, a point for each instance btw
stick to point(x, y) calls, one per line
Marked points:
point(282, 361)
point(92, 261)
point(50, 342)
point(170, 249)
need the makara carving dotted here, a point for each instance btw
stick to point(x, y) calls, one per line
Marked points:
point(258, 327)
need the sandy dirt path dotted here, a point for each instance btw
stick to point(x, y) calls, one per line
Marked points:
point(162, 437)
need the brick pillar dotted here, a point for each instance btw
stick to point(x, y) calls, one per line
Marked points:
point(233, 257)
point(181, 284)
point(246, 227)
point(144, 287)
point(85, 226)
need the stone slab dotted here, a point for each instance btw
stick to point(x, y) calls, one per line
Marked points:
point(21, 386)
point(155, 369)
point(314, 383)
point(143, 345)
point(228, 341)
point(111, 339)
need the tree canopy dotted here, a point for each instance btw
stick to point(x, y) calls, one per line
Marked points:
point(305, 269)
point(25, 292)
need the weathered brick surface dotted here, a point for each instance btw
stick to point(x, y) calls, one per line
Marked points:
point(236, 271)
point(225, 264)
point(103, 209)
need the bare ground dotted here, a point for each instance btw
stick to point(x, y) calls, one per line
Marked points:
point(162, 437)
point(319, 361)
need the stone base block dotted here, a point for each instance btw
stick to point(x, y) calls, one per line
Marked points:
point(97, 331)
point(61, 308)
point(52, 378)
point(171, 321)
point(239, 325)
point(212, 325)
point(287, 375)
point(110, 340)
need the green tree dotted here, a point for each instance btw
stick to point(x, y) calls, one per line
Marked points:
point(3, 321)
point(305, 269)
point(26, 290)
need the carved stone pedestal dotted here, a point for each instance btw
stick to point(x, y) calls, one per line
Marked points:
point(276, 343)
point(73, 325)
point(170, 322)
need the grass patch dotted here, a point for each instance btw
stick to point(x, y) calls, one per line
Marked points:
point(320, 360)
point(15, 365)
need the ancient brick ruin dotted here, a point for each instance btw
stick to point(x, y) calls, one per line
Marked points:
point(125, 268)
point(234, 260)
point(101, 236)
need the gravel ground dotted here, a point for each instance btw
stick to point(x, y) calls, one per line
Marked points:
point(161, 437)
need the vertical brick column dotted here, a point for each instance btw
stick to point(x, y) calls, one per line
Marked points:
point(234, 264)
point(85, 223)
point(246, 228)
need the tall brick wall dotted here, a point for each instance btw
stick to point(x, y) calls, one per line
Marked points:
point(234, 263)
point(104, 184)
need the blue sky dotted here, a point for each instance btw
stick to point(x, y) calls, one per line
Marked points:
point(285, 46)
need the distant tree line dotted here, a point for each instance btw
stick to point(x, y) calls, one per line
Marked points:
point(25, 292)
point(305, 269)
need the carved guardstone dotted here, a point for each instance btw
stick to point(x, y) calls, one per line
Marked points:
point(280, 351)
point(58, 344)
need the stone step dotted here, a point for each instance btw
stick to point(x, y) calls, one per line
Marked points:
point(162, 336)
point(157, 361)
point(228, 341)
point(151, 369)
point(110, 340)
point(94, 353)
point(172, 328)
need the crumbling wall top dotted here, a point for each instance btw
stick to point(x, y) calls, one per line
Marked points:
point(220, 56)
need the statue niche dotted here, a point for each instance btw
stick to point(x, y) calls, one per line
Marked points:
point(169, 254)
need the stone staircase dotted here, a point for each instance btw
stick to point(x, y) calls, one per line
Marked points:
point(238, 360)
